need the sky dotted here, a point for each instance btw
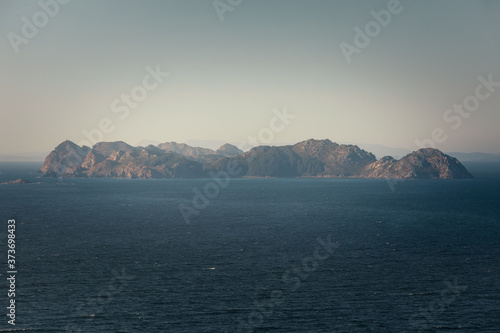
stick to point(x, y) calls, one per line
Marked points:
point(223, 70)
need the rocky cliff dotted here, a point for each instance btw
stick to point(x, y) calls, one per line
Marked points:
point(423, 163)
point(311, 158)
point(64, 160)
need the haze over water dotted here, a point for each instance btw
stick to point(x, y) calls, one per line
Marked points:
point(262, 254)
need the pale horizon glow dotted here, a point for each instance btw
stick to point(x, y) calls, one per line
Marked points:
point(226, 77)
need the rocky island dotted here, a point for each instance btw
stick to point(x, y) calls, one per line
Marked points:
point(17, 181)
point(310, 158)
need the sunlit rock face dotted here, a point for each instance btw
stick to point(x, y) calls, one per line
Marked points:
point(310, 158)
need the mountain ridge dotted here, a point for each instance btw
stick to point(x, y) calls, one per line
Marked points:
point(309, 158)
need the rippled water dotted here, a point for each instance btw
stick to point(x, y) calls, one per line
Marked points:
point(109, 255)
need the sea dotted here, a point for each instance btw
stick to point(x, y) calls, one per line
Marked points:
point(249, 255)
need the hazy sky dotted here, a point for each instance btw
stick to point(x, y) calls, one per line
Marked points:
point(226, 77)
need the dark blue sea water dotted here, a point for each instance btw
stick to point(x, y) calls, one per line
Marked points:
point(265, 255)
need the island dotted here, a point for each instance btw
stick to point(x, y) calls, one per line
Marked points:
point(311, 158)
point(17, 181)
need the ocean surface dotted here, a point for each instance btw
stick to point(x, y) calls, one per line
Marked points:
point(261, 255)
